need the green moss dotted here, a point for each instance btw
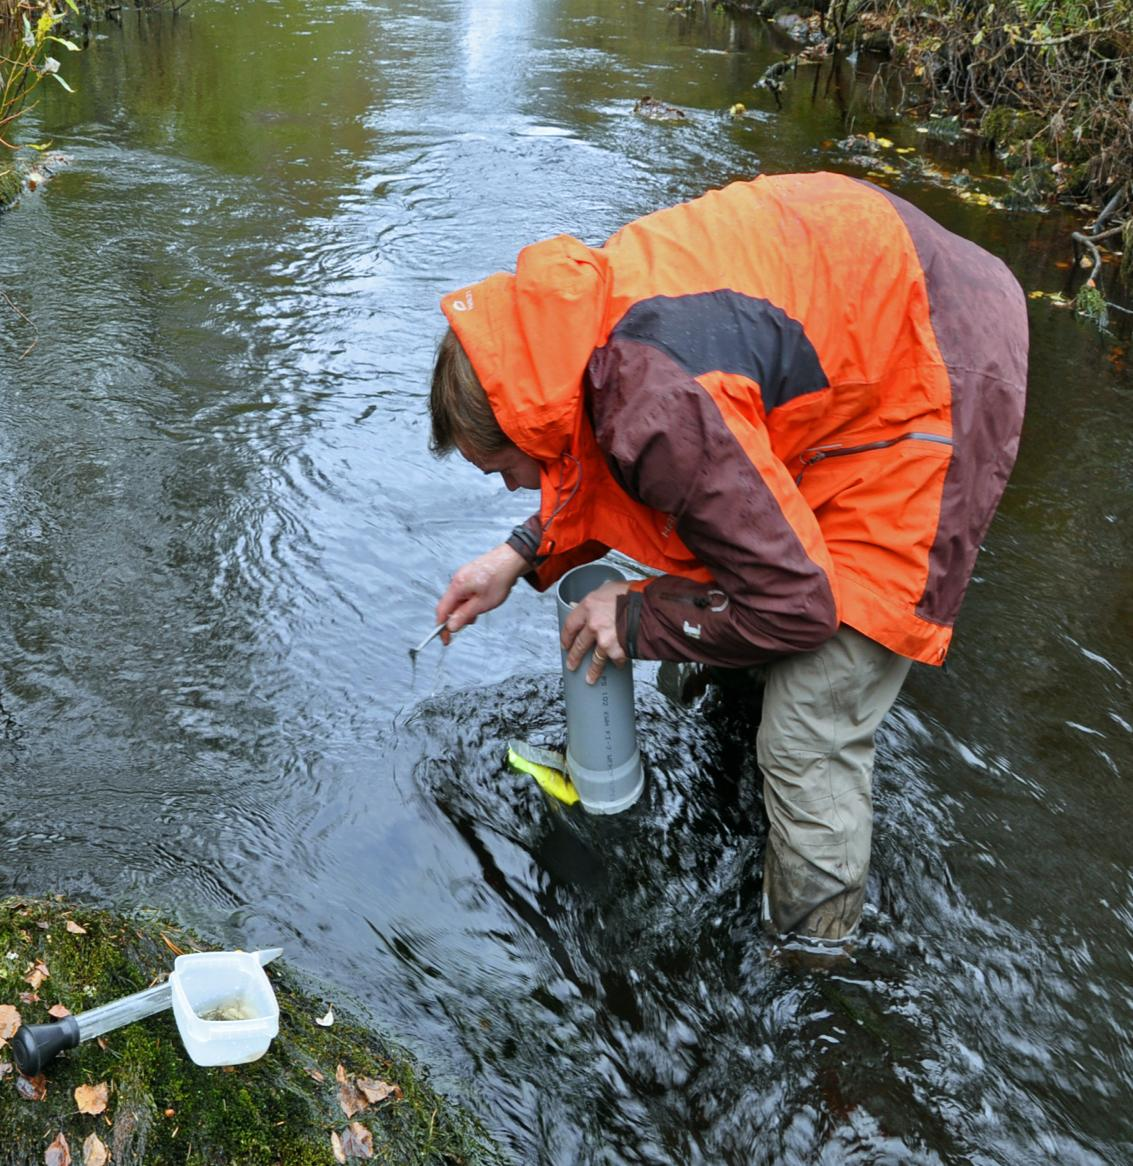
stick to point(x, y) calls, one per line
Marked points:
point(10, 186)
point(166, 1111)
point(1010, 127)
point(1090, 304)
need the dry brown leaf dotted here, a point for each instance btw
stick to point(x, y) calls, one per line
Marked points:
point(357, 1141)
point(58, 1153)
point(95, 1152)
point(58, 1011)
point(316, 1075)
point(5, 1069)
point(9, 1021)
point(29, 997)
point(374, 1090)
point(37, 974)
point(349, 1098)
point(75, 928)
point(336, 1148)
point(92, 1098)
point(32, 1088)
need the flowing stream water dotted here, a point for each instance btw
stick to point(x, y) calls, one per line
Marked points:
point(221, 530)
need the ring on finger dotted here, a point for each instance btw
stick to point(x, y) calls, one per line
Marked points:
point(600, 657)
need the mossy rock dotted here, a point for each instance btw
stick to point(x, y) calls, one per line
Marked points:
point(11, 185)
point(1033, 185)
point(1005, 126)
point(162, 1110)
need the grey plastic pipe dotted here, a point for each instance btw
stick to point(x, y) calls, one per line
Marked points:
point(602, 757)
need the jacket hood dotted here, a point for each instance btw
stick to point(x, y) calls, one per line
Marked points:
point(529, 337)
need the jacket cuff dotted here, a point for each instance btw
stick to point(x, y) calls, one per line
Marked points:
point(628, 616)
point(525, 542)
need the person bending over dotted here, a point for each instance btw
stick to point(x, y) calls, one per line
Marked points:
point(799, 398)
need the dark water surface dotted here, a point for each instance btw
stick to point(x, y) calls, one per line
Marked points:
point(220, 531)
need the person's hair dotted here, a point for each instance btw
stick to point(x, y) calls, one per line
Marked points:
point(459, 406)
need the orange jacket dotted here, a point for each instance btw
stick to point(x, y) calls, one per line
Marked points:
point(799, 397)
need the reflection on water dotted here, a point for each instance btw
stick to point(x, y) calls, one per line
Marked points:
point(220, 532)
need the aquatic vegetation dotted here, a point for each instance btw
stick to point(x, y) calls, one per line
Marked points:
point(26, 61)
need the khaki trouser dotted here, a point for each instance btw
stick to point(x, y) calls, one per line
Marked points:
point(815, 748)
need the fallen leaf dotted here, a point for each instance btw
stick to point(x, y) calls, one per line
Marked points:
point(349, 1098)
point(171, 945)
point(32, 1088)
point(92, 1098)
point(37, 974)
point(75, 928)
point(357, 1141)
point(374, 1090)
point(9, 1021)
point(95, 1152)
point(58, 1011)
point(5, 1069)
point(58, 1153)
point(316, 1075)
point(327, 1020)
point(29, 997)
point(336, 1148)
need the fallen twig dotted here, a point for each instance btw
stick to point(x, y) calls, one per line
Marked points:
point(8, 300)
point(1090, 246)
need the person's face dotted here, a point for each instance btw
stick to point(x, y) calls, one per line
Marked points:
point(519, 471)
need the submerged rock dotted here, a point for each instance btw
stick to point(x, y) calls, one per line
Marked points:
point(323, 1092)
point(655, 110)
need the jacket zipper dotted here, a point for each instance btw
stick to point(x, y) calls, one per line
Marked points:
point(820, 452)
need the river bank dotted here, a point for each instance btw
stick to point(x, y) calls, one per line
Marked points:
point(328, 1090)
point(1048, 88)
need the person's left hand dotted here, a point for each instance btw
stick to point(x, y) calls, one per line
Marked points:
point(592, 623)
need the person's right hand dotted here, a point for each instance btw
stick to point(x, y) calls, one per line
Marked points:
point(479, 586)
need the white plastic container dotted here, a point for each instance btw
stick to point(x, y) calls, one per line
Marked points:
point(226, 983)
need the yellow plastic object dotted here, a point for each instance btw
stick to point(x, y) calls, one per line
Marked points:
point(551, 781)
